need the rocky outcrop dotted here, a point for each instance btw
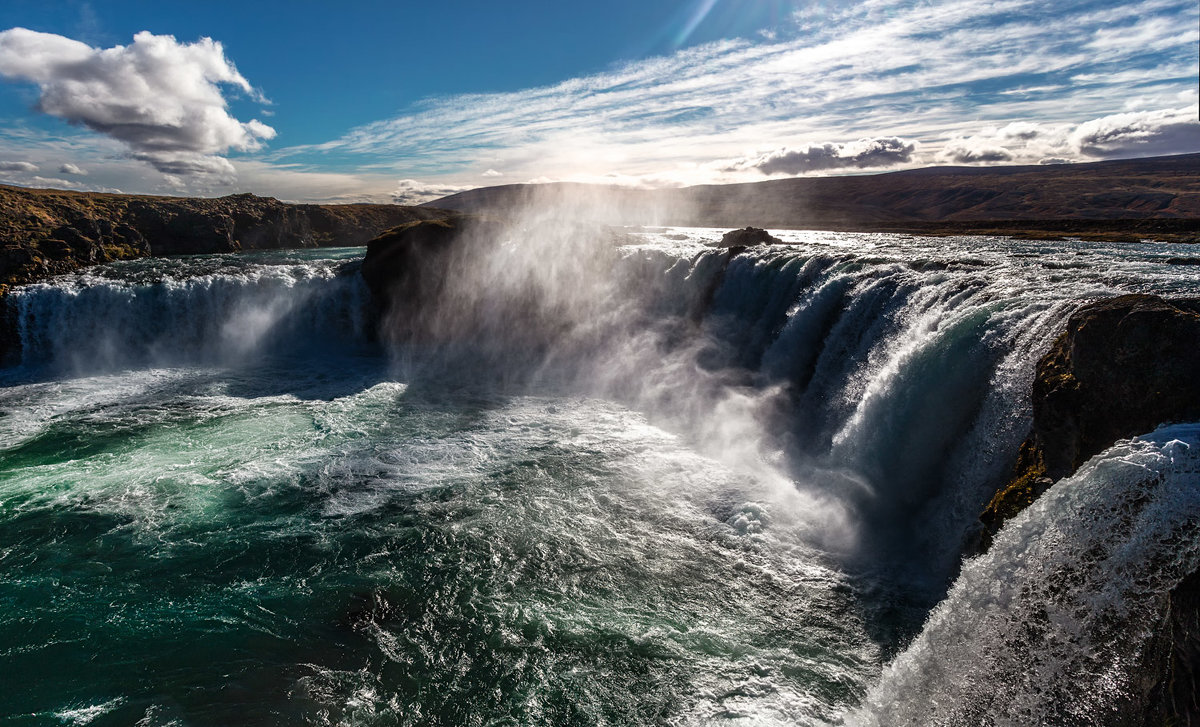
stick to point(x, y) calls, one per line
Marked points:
point(1171, 664)
point(1121, 368)
point(46, 232)
point(408, 263)
point(747, 237)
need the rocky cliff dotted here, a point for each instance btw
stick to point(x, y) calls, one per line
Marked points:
point(46, 232)
point(1120, 368)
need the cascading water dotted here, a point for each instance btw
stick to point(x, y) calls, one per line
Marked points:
point(701, 488)
point(1051, 625)
point(178, 311)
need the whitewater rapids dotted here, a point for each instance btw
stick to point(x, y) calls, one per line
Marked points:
point(739, 496)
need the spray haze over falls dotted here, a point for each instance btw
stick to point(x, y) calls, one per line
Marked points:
point(618, 474)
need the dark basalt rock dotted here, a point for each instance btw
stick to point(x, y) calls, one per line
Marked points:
point(10, 341)
point(1121, 368)
point(408, 263)
point(748, 236)
point(46, 232)
point(1171, 664)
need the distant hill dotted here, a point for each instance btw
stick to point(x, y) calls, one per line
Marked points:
point(48, 231)
point(1135, 195)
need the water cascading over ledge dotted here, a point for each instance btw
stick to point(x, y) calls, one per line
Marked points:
point(881, 381)
point(891, 386)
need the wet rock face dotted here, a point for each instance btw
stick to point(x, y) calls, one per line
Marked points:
point(1121, 368)
point(748, 236)
point(408, 263)
point(1171, 666)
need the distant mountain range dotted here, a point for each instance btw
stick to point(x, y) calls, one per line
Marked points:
point(1133, 196)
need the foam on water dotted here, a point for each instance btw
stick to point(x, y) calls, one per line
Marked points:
point(1050, 625)
point(710, 490)
point(578, 535)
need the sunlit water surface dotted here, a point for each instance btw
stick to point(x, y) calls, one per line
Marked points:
point(221, 502)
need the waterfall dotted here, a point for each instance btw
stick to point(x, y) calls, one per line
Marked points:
point(906, 383)
point(585, 464)
point(883, 378)
point(1050, 626)
point(182, 311)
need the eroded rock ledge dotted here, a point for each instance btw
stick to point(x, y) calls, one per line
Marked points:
point(1121, 368)
point(46, 232)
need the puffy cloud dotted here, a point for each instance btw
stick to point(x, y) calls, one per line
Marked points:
point(1129, 134)
point(1020, 131)
point(159, 97)
point(1139, 133)
point(52, 182)
point(493, 173)
point(412, 191)
point(861, 154)
point(69, 168)
point(188, 164)
point(17, 167)
point(971, 151)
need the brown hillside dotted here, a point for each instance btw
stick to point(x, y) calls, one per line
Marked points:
point(1154, 197)
point(45, 231)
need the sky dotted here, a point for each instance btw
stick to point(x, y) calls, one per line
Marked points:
point(408, 101)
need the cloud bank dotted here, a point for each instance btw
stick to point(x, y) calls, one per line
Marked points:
point(160, 98)
point(1139, 133)
point(887, 72)
point(413, 191)
point(18, 167)
point(1115, 136)
point(861, 154)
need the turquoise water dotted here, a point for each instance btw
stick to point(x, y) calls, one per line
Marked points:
point(198, 545)
point(714, 500)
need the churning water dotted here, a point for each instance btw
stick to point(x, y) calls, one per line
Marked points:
point(662, 487)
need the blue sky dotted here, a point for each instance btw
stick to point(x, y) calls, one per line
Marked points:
point(406, 101)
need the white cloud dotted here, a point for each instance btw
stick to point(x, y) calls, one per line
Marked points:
point(492, 173)
point(861, 154)
point(70, 168)
point(880, 69)
point(412, 191)
point(1139, 133)
point(160, 98)
point(52, 182)
point(18, 167)
point(971, 151)
point(1128, 134)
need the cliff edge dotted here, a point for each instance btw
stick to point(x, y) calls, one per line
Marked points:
point(1121, 368)
point(45, 232)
